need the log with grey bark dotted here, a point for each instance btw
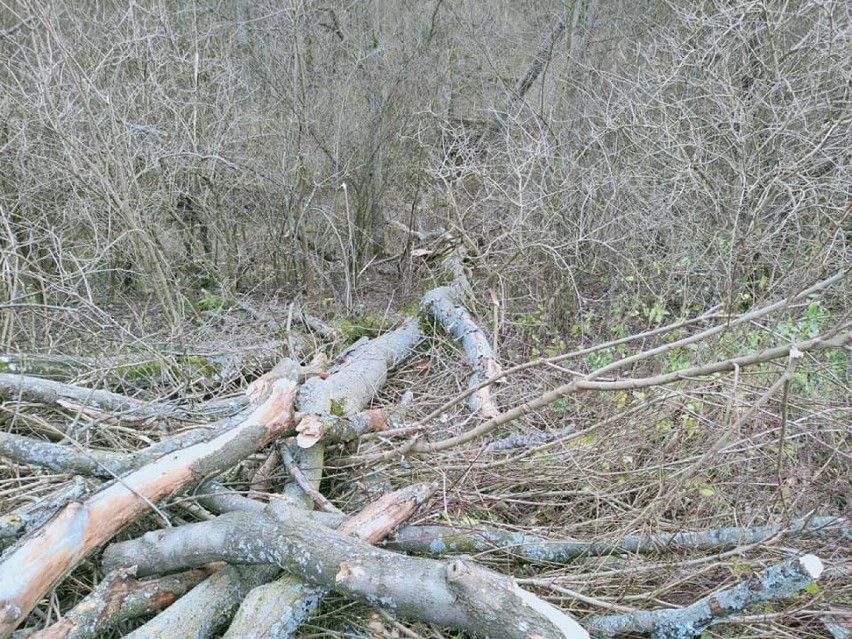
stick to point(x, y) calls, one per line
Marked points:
point(443, 540)
point(120, 597)
point(443, 305)
point(208, 607)
point(45, 391)
point(775, 582)
point(455, 594)
point(277, 609)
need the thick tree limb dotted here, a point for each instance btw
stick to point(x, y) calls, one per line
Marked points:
point(276, 610)
point(52, 366)
point(334, 429)
point(67, 458)
point(63, 458)
point(318, 500)
point(87, 462)
point(120, 597)
point(443, 540)
point(43, 559)
point(209, 607)
point(440, 541)
point(45, 391)
point(530, 439)
point(442, 305)
point(775, 582)
point(347, 389)
point(217, 498)
point(257, 619)
point(455, 594)
point(287, 369)
point(350, 386)
point(221, 366)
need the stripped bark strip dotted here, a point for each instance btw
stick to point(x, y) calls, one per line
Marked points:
point(31, 516)
point(442, 305)
point(41, 560)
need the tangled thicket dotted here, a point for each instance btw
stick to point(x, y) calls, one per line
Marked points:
point(160, 160)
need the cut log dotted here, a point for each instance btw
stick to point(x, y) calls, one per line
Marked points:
point(45, 391)
point(294, 600)
point(439, 541)
point(349, 387)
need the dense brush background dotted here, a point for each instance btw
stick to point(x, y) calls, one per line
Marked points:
point(159, 160)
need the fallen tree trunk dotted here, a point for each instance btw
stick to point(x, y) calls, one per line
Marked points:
point(36, 389)
point(442, 540)
point(442, 304)
point(278, 609)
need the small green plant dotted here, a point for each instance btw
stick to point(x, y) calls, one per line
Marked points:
point(144, 370)
point(537, 330)
point(655, 313)
point(599, 359)
point(202, 366)
point(562, 404)
point(355, 328)
point(212, 302)
point(337, 408)
point(677, 360)
point(808, 326)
